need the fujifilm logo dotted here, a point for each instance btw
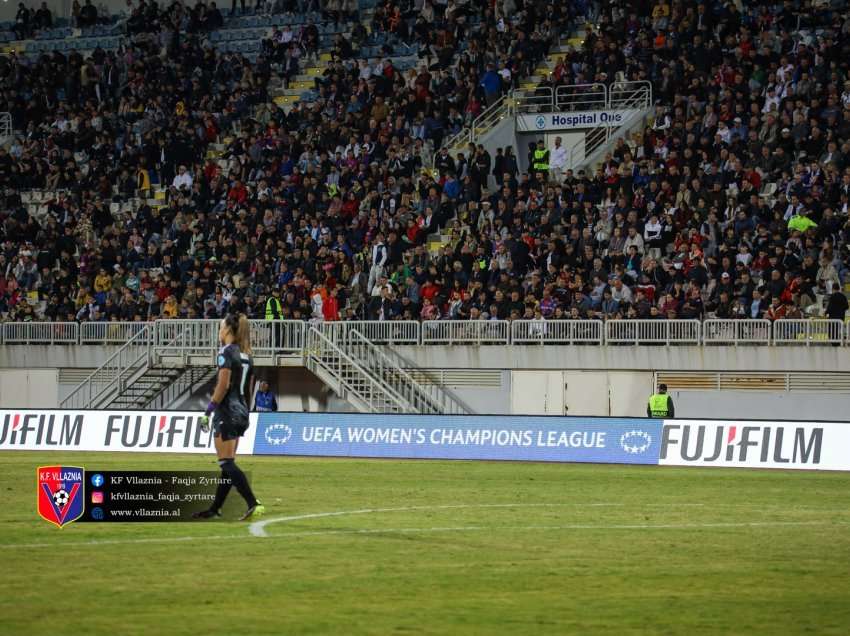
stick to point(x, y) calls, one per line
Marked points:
point(741, 444)
point(41, 429)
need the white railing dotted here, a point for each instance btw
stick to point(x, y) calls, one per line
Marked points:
point(201, 336)
point(41, 333)
point(466, 332)
point(270, 337)
point(392, 332)
point(186, 338)
point(576, 97)
point(624, 95)
point(6, 127)
point(808, 332)
point(735, 332)
point(653, 331)
point(349, 379)
point(389, 367)
point(470, 134)
point(631, 97)
point(114, 375)
point(556, 331)
point(112, 332)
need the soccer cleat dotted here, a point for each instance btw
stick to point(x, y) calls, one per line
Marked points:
point(207, 514)
point(253, 512)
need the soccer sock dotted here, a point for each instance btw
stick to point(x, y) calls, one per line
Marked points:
point(223, 488)
point(239, 481)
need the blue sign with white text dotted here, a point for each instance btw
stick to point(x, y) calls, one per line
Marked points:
point(523, 438)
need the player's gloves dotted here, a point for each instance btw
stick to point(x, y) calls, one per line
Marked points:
point(204, 423)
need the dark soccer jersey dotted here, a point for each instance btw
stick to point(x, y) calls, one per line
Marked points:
point(241, 371)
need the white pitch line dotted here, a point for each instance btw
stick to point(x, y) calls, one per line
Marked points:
point(258, 528)
point(438, 529)
point(575, 526)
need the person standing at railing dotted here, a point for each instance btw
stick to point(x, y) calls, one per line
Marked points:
point(274, 312)
point(660, 404)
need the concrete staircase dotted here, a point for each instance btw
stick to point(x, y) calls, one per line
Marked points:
point(161, 387)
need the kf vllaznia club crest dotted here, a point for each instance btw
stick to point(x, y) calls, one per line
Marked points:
point(60, 494)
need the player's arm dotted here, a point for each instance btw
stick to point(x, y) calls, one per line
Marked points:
point(224, 372)
point(220, 390)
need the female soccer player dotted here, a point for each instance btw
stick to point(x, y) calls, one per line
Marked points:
point(229, 406)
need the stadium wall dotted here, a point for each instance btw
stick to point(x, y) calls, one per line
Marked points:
point(554, 357)
point(29, 388)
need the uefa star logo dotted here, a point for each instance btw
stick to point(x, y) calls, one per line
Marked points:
point(278, 434)
point(635, 442)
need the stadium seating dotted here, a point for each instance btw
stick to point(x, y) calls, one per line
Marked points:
point(312, 169)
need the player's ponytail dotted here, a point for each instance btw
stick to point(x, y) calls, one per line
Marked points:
point(243, 334)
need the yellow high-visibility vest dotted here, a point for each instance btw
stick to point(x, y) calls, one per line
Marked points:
point(658, 404)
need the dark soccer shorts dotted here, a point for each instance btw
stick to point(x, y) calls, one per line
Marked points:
point(229, 427)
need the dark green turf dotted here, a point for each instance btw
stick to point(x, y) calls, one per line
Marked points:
point(585, 563)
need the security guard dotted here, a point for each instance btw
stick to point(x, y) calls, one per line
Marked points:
point(660, 404)
point(265, 400)
point(541, 160)
point(274, 310)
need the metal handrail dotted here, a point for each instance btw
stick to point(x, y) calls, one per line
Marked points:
point(110, 332)
point(340, 362)
point(113, 374)
point(556, 331)
point(735, 332)
point(638, 99)
point(182, 336)
point(6, 127)
point(390, 367)
point(808, 331)
point(495, 332)
point(41, 333)
point(646, 331)
point(574, 97)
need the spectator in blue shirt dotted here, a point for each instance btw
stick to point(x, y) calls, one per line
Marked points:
point(265, 401)
point(492, 85)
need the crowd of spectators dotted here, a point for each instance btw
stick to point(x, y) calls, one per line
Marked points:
point(323, 212)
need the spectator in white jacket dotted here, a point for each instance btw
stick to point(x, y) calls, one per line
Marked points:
point(652, 237)
point(558, 161)
point(183, 178)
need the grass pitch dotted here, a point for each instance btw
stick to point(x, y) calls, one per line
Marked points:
point(482, 548)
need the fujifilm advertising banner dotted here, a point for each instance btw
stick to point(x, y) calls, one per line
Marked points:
point(552, 439)
point(136, 431)
point(755, 444)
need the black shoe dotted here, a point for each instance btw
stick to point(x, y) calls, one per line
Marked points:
point(207, 514)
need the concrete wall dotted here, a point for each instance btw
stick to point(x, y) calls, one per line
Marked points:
point(767, 405)
point(554, 357)
point(29, 388)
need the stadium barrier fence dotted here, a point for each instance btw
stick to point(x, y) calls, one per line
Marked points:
point(288, 336)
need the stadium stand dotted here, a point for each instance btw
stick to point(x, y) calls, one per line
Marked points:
point(179, 163)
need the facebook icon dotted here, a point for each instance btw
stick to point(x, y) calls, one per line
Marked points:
point(97, 480)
